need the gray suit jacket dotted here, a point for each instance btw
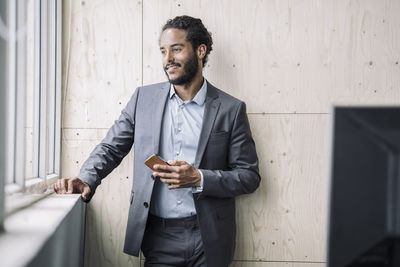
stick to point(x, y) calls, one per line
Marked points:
point(226, 155)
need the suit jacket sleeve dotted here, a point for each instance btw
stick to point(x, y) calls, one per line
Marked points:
point(113, 148)
point(242, 176)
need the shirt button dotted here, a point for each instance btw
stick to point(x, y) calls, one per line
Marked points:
point(177, 153)
point(146, 205)
point(179, 202)
point(179, 129)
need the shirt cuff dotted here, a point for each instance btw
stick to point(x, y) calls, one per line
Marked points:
point(198, 189)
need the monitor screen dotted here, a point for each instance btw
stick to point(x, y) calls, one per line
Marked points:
point(365, 187)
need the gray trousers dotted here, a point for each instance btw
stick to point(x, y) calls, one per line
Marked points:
point(173, 242)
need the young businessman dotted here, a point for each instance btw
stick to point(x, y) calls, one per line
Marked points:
point(181, 214)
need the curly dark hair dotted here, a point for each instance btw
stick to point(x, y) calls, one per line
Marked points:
point(196, 33)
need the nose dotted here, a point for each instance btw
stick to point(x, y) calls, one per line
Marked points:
point(170, 57)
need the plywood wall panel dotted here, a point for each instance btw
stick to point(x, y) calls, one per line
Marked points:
point(280, 57)
point(107, 212)
point(285, 219)
point(102, 60)
point(276, 264)
point(291, 56)
point(269, 264)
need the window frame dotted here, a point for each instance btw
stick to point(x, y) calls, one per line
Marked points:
point(3, 66)
point(46, 142)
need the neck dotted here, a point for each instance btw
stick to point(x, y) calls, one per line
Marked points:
point(188, 91)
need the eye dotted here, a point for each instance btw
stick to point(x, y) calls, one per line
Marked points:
point(177, 49)
point(163, 52)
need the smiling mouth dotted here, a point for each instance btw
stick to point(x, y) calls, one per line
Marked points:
point(168, 67)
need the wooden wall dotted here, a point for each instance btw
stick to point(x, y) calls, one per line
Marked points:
point(288, 60)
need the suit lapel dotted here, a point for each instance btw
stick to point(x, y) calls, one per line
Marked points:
point(210, 113)
point(159, 100)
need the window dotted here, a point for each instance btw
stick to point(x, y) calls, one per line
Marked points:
point(31, 31)
point(2, 109)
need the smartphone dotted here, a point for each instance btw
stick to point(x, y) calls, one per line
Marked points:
point(154, 159)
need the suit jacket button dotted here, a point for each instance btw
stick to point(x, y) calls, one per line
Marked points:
point(146, 205)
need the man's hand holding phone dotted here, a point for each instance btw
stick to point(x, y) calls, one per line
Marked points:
point(175, 173)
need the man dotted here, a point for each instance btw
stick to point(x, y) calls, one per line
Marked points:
point(181, 214)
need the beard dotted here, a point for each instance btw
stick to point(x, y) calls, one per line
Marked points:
point(190, 69)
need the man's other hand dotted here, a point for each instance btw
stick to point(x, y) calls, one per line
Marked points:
point(72, 185)
point(178, 174)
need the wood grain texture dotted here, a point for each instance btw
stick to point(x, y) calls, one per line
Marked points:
point(107, 213)
point(276, 264)
point(279, 57)
point(269, 264)
point(286, 218)
point(101, 60)
point(284, 56)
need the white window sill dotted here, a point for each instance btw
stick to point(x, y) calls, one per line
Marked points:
point(34, 185)
point(35, 189)
point(26, 231)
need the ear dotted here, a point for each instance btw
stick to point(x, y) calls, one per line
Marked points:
point(201, 51)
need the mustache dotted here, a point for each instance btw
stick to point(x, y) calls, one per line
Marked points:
point(172, 65)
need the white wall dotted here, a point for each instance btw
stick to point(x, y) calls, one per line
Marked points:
point(288, 60)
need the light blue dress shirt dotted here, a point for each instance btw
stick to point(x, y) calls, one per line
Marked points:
point(182, 122)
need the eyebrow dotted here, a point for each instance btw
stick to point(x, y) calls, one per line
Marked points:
point(173, 45)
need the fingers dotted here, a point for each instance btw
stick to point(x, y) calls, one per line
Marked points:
point(177, 162)
point(172, 183)
point(58, 187)
point(174, 186)
point(172, 165)
point(70, 187)
point(85, 193)
point(166, 168)
point(169, 175)
point(64, 186)
point(169, 181)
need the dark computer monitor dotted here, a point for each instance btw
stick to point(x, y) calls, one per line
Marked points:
point(364, 219)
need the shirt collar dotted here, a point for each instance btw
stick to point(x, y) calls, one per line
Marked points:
point(199, 98)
